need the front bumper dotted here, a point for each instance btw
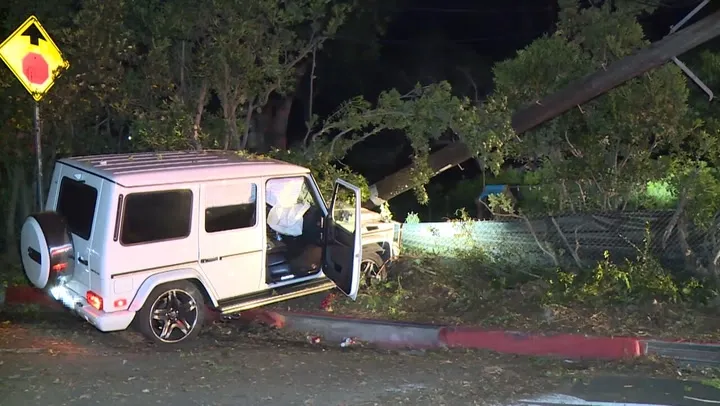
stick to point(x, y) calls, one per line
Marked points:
point(103, 321)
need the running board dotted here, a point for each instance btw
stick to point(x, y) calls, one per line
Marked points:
point(275, 295)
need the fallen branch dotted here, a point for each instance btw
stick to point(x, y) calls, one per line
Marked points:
point(578, 262)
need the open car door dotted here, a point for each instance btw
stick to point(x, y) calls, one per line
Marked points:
point(342, 250)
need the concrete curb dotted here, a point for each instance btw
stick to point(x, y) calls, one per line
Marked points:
point(686, 353)
point(392, 334)
point(380, 333)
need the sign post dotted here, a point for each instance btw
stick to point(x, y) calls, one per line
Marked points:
point(38, 155)
point(35, 60)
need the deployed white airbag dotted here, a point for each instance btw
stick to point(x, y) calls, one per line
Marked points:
point(288, 220)
point(286, 214)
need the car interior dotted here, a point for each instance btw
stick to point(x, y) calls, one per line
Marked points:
point(294, 230)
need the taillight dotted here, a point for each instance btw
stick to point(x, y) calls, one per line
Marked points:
point(94, 300)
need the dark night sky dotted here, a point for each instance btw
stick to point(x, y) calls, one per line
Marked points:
point(500, 28)
point(490, 28)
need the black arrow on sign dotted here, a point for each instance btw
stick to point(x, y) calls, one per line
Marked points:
point(34, 34)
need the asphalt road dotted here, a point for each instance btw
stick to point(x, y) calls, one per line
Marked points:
point(61, 361)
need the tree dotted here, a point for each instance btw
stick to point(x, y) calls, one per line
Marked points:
point(693, 179)
point(581, 91)
point(598, 155)
point(257, 48)
point(424, 114)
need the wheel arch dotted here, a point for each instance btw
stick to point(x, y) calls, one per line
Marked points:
point(153, 281)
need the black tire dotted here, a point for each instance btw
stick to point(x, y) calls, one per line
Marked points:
point(166, 301)
point(373, 268)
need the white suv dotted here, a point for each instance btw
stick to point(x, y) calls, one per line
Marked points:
point(154, 238)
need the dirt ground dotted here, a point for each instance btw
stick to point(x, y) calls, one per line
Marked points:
point(58, 360)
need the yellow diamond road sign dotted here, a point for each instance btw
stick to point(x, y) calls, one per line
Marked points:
point(33, 57)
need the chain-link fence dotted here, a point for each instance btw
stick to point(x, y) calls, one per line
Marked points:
point(578, 240)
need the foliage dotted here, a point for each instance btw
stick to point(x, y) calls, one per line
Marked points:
point(385, 212)
point(412, 218)
point(324, 170)
point(597, 156)
point(635, 282)
point(474, 279)
point(423, 115)
point(158, 75)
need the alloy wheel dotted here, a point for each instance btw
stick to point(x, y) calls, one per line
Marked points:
point(173, 316)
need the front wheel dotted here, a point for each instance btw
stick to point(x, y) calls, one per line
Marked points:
point(373, 270)
point(173, 313)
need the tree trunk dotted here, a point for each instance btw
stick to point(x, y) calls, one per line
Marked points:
point(270, 125)
point(231, 122)
point(277, 134)
point(200, 109)
point(261, 123)
point(231, 132)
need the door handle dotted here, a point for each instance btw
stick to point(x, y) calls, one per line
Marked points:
point(82, 260)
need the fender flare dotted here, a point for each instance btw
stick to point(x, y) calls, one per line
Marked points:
point(169, 276)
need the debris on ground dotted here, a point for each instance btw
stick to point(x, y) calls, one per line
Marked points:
point(347, 342)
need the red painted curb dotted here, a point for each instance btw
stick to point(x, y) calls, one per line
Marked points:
point(565, 345)
point(25, 295)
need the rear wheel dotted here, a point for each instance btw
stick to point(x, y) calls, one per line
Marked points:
point(173, 313)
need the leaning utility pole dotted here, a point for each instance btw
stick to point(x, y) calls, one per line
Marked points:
point(577, 93)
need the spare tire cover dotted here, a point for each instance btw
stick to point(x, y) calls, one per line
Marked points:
point(46, 248)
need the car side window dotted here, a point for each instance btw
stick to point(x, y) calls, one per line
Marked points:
point(344, 209)
point(230, 207)
point(156, 216)
point(76, 202)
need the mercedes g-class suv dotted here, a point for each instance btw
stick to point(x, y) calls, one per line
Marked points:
point(152, 239)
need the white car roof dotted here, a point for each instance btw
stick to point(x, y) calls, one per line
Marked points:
point(158, 168)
